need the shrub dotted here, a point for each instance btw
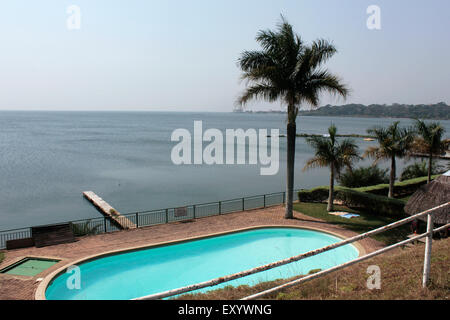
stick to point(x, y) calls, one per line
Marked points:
point(371, 203)
point(364, 176)
point(318, 194)
point(401, 189)
point(84, 229)
point(420, 169)
point(367, 202)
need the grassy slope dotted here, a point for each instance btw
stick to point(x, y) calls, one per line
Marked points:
point(364, 223)
point(401, 278)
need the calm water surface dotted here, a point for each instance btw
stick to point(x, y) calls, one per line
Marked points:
point(48, 158)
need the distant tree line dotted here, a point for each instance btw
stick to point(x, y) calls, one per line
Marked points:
point(440, 111)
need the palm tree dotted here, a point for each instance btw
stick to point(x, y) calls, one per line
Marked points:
point(334, 154)
point(393, 142)
point(288, 70)
point(430, 141)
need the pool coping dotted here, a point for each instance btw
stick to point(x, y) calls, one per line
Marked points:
point(42, 288)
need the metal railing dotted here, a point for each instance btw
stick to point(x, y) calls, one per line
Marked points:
point(160, 216)
point(426, 273)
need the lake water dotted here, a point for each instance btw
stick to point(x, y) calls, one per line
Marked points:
point(49, 158)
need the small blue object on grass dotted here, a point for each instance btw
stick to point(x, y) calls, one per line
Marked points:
point(350, 215)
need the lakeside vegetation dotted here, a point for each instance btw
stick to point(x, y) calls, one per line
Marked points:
point(401, 280)
point(363, 176)
point(393, 142)
point(330, 152)
point(368, 200)
point(429, 141)
point(438, 111)
point(420, 169)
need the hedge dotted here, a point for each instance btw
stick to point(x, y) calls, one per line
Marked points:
point(367, 202)
point(318, 194)
point(372, 199)
point(401, 189)
point(371, 203)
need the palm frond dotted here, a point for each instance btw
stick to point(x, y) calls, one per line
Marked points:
point(324, 81)
point(375, 153)
point(431, 135)
point(315, 162)
point(260, 91)
point(322, 51)
point(251, 60)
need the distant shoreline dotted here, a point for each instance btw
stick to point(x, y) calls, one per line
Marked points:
point(438, 111)
point(352, 135)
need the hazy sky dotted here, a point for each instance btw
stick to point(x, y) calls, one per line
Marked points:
point(181, 55)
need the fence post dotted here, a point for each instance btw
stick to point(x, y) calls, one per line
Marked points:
point(137, 219)
point(194, 211)
point(264, 201)
point(104, 223)
point(428, 245)
point(243, 204)
point(167, 215)
point(220, 207)
point(284, 197)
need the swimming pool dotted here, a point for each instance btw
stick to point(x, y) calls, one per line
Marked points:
point(143, 272)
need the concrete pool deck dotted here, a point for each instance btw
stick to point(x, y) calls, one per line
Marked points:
point(20, 287)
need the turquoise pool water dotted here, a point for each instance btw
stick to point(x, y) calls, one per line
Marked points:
point(139, 273)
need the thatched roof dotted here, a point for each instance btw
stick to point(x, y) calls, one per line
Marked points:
point(432, 195)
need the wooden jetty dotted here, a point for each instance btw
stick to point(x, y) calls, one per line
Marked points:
point(109, 212)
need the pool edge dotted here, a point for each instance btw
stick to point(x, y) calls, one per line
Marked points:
point(42, 288)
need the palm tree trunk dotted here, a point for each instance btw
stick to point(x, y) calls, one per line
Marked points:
point(392, 178)
point(430, 163)
point(330, 206)
point(291, 135)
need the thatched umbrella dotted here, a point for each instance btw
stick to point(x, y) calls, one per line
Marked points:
point(432, 195)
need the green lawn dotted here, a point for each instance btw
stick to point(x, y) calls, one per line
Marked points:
point(364, 223)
